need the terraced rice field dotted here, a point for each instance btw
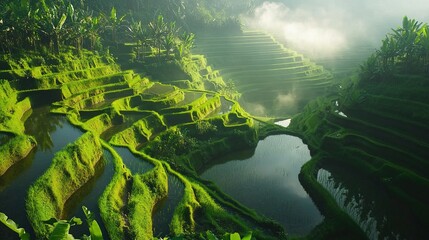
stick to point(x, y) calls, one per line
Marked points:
point(379, 137)
point(273, 80)
point(121, 113)
point(346, 61)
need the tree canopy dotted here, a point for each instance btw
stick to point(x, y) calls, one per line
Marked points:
point(50, 25)
point(404, 50)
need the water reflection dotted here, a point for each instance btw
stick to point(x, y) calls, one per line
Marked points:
point(136, 164)
point(268, 182)
point(89, 194)
point(15, 183)
point(352, 205)
point(164, 210)
point(284, 123)
point(377, 214)
point(41, 124)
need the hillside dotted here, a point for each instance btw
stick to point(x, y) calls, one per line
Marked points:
point(273, 80)
point(186, 127)
point(371, 141)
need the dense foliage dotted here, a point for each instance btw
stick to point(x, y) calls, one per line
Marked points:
point(50, 25)
point(404, 50)
point(190, 14)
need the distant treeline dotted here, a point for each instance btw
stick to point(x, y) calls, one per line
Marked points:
point(48, 25)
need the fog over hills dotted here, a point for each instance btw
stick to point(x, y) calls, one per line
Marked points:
point(329, 26)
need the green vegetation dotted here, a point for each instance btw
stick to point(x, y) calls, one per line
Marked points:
point(272, 79)
point(96, 87)
point(114, 199)
point(71, 168)
point(147, 190)
point(130, 79)
point(405, 50)
point(50, 26)
point(60, 228)
point(374, 127)
point(11, 110)
point(23, 235)
point(14, 150)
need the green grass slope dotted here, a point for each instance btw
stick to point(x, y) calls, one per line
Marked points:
point(378, 131)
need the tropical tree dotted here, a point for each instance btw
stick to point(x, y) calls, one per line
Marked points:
point(18, 24)
point(406, 49)
point(157, 31)
point(93, 27)
point(185, 44)
point(407, 39)
point(76, 27)
point(137, 33)
point(114, 23)
point(4, 28)
point(170, 39)
point(52, 22)
point(424, 46)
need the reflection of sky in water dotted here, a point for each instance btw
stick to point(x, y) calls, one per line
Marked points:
point(268, 182)
point(284, 123)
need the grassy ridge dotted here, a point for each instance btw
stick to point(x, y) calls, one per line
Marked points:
point(114, 199)
point(14, 150)
point(12, 111)
point(139, 113)
point(147, 190)
point(71, 168)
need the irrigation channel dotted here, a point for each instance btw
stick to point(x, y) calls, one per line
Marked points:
point(164, 211)
point(267, 181)
point(52, 133)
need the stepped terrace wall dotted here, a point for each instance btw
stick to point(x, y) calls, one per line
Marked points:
point(71, 168)
point(376, 130)
point(271, 78)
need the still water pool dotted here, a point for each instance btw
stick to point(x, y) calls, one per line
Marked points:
point(52, 132)
point(267, 181)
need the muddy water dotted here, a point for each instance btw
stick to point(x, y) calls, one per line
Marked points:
point(268, 182)
point(52, 133)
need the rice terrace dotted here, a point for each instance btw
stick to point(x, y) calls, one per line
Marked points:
point(198, 119)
